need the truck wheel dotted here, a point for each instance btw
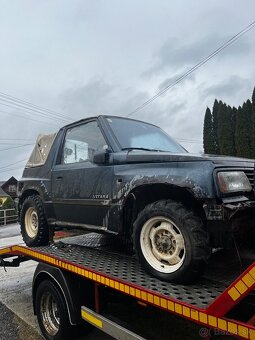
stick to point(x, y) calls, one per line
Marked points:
point(171, 242)
point(51, 311)
point(33, 223)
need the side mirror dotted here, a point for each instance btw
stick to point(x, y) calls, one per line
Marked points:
point(101, 157)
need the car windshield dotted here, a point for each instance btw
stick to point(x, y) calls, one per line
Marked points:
point(133, 134)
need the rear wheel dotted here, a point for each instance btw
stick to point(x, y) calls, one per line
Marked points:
point(171, 241)
point(33, 222)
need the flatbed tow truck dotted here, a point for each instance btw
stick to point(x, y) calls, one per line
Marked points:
point(77, 276)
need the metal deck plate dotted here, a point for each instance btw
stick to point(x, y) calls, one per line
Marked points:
point(86, 251)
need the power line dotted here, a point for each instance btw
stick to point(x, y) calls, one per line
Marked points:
point(19, 168)
point(26, 113)
point(12, 104)
point(7, 166)
point(188, 141)
point(16, 139)
point(16, 147)
point(194, 68)
point(31, 105)
point(10, 143)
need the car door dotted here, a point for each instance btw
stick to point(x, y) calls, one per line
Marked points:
point(81, 189)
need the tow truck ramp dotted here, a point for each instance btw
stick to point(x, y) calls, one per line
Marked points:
point(220, 301)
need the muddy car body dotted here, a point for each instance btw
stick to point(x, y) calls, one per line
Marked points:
point(129, 178)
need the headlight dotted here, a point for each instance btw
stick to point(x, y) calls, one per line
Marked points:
point(233, 181)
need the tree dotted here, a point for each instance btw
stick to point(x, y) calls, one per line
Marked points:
point(230, 131)
point(242, 137)
point(215, 110)
point(209, 137)
point(253, 125)
point(233, 127)
point(225, 130)
point(8, 203)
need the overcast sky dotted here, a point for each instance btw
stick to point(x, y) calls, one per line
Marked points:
point(83, 58)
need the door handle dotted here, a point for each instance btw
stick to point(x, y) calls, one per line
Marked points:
point(59, 178)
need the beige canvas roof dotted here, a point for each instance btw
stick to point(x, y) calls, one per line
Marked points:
point(41, 150)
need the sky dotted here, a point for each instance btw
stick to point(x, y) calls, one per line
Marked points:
point(82, 58)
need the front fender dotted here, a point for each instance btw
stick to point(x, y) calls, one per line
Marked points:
point(196, 177)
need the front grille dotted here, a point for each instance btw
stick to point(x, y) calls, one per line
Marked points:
point(250, 174)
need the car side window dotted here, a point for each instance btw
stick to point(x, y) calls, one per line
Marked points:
point(81, 142)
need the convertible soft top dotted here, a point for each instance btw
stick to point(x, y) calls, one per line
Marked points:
point(41, 150)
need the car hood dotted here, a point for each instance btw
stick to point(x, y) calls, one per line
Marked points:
point(137, 156)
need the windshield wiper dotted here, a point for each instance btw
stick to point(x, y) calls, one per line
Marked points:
point(145, 149)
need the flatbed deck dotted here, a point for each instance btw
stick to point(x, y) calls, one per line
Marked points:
point(214, 301)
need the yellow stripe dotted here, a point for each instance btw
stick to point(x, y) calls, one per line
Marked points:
point(163, 303)
point(4, 251)
point(252, 272)
point(248, 280)
point(178, 308)
point(203, 317)
point(92, 319)
point(170, 305)
point(156, 300)
point(243, 332)
point(241, 287)
point(222, 324)
point(194, 314)
point(232, 327)
point(132, 291)
point(233, 293)
point(186, 311)
point(212, 320)
point(150, 298)
point(144, 296)
point(252, 334)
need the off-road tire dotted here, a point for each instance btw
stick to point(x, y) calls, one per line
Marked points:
point(196, 240)
point(43, 235)
point(64, 331)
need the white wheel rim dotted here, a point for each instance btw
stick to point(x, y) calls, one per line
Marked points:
point(50, 314)
point(162, 244)
point(31, 222)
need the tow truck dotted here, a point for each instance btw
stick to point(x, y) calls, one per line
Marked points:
point(78, 277)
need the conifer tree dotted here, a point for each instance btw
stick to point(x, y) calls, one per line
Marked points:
point(209, 138)
point(252, 131)
point(215, 126)
point(233, 126)
point(242, 138)
point(230, 131)
point(225, 130)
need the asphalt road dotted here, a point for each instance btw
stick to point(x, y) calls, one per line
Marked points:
point(18, 322)
point(12, 327)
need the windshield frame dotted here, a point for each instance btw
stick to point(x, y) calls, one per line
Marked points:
point(112, 133)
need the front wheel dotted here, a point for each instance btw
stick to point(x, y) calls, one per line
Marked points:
point(171, 242)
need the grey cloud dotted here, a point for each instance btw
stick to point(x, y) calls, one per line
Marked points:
point(230, 86)
point(171, 80)
point(48, 48)
point(88, 99)
point(99, 97)
point(176, 55)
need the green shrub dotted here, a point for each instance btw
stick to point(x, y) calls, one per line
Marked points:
point(8, 204)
